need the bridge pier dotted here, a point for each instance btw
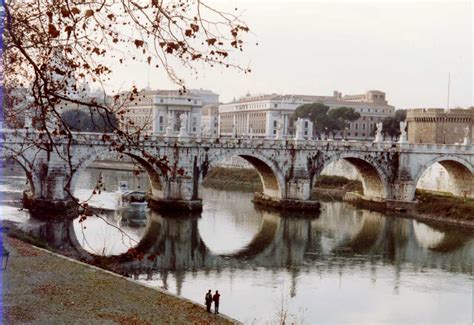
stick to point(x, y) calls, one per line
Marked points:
point(179, 195)
point(404, 191)
point(296, 197)
point(50, 209)
point(175, 205)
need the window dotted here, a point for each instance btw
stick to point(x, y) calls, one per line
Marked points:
point(306, 124)
point(274, 124)
point(357, 126)
point(161, 119)
point(363, 126)
point(276, 105)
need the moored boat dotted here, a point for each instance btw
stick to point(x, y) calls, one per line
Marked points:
point(130, 199)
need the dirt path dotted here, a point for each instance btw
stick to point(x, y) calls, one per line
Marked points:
point(42, 288)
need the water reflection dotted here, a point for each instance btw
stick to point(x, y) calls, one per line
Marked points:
point(306, 261)
point(277, 242)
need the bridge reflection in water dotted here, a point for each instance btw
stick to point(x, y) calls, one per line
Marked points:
point(341, 236)
point(344, 258)
point(303, 257)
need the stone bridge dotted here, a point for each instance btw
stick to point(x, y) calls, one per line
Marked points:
point(287, 168)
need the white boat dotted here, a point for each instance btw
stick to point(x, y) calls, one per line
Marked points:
point(129, 199)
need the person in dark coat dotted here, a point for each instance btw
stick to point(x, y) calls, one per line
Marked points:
point(208, 301)
point(216, 298)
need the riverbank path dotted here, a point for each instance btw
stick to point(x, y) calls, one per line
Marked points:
point(40, 287)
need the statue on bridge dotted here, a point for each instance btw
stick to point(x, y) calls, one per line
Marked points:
point(299, 129)
point(467, 136)
point(378, 134)
point(169, 124)
point(183, 130)
point(279, 127)
point(403, 132)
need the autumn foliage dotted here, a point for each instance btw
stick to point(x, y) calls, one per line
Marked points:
point(53, 48)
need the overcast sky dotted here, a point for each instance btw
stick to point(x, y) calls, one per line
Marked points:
point(405, 48)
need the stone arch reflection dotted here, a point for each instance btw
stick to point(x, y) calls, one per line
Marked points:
point(111, 232)
point(438, 240)
point(173, 245)
point(228, 224)
point(347, 230)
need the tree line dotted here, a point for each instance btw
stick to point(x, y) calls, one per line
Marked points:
point(327, 121)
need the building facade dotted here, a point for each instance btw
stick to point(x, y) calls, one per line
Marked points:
point(208, 97)
point(210, 120)
point(263, 116)
point(437, 125)
point(155, 111)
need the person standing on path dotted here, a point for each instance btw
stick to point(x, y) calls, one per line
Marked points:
point(216, 302)
point(208, 301)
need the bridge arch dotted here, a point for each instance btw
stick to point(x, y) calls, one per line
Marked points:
point(375, 182)
point(460, 172)
point(261, 240)
point(103, 153)
point(271, 176)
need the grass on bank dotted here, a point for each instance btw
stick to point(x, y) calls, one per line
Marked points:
point(445, 204)
point(233, 179)
point(338, 182)
point(248, 180)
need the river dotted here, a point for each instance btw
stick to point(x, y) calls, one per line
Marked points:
point(342, 265)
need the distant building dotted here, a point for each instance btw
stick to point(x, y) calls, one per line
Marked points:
point(256, 116)
point(152, 109)
point(262, 115)
point(208, 97)
point(436, 125)
point(210, 120)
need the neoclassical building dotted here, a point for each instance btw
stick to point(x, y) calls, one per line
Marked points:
point(210, 120)
point(262, 115)
point(154, 110)
point(437, 125)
